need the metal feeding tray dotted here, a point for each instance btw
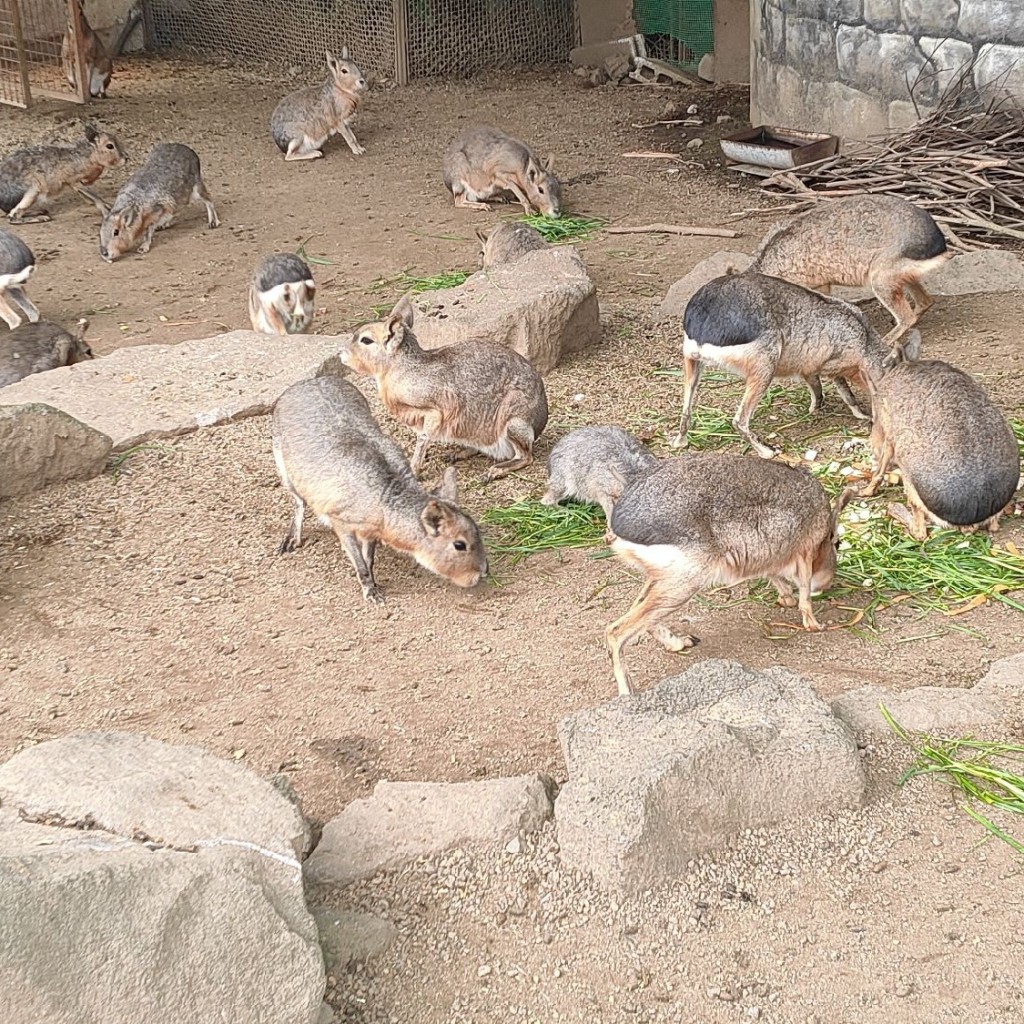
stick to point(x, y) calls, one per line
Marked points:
point(778, 148)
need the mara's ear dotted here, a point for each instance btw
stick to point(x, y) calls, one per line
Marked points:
point(449, 488)
point(90, 133)
point(549, 163)
point(344, 53)
point(840, 503)
point(332, 61)
point(911, 345)
point(129, 215)
point(80, 328)
point(531, 171)
point(433, 517)
point(404, 311)
point(482, 235)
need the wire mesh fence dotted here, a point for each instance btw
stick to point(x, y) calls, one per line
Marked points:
point(679, 32)
point(397, 39)
point(31, 32)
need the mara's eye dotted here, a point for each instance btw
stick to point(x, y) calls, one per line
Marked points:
point(540, 189)
point(459, 545)
point(110, 145)
point(366, 339)
point(117, 231)
point(344, 71)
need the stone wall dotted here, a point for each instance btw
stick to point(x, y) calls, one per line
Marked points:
point(843, 66)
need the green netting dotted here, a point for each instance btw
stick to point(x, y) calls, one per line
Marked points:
point(677, 31)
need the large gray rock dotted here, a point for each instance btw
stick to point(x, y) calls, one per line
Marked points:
point(811, 46)
point(930, 16)
point(992, 704)
point(882, 15)
point(108, 915)
point(1001, 67)
point(130, 785)
point(991, 21)
point(542, 305)
point(673, 306)
point(40, 445)
point(148, 391)
point(949, 56)
point(406, 820)
point(659, 777)
point(882, 63)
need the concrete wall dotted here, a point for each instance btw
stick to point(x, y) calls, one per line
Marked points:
point(842, 66)
point(601, 20)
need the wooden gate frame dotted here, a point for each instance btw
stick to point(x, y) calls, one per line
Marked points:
point(77, 94)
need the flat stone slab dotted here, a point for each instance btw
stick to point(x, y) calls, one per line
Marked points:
point(150, 391)
point(659, 777)
point(403, 821)
point(131, 785)
point(40, 445)
point(995, 702)
point(542, 305)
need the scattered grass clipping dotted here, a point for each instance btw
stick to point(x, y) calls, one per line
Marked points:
point(562, 230)
point(979, 772)
point(528, 527)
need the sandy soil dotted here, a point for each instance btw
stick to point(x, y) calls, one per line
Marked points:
point(153, 599)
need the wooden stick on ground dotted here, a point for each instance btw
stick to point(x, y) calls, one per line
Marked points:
point(673, 229)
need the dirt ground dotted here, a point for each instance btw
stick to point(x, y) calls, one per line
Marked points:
point(152, 598)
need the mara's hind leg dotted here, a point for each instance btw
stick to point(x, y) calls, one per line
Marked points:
point(304, 148)
point(691, 382)
point(669, 640)
point(817, 395)
point(889, 290)
point(658, 597)
point(24, 303)
point(519, 434)
point(922, 299)
point(20, 213)
point(884, 454)
point(849, 399)
point(462, 202)
point(784, 590)
point(757, 387)
point(9, 315)
point(804, 575)
point(202, 195)
point(293, 538)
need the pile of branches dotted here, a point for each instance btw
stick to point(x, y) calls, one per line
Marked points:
point(963, 162)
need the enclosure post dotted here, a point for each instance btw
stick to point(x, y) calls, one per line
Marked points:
point(83, 89)
point(19, 46)
point(400, 20)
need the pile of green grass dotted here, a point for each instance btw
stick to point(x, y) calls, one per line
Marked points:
point(979, 772)
point(562, 230)
point(528, 527)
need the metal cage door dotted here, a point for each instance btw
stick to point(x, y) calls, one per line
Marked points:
point(31, 42)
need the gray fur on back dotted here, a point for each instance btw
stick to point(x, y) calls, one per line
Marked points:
point(951, 441)
point(327, 434)
point(280, 268)
point(169, 173)
point(32, 348)
point(720, 502)
point(594, 463)
point(15, 255)
point(509, 241)
point(854, 229)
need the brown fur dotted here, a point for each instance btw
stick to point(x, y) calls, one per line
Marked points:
point(484, 162)
point(702, 521)
point(31, 177)
point(151, 199)
point(331, 455)
point(305, 119)
point(99, 68)
point(882, 242)
point(955, 451)
point(477, 393)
